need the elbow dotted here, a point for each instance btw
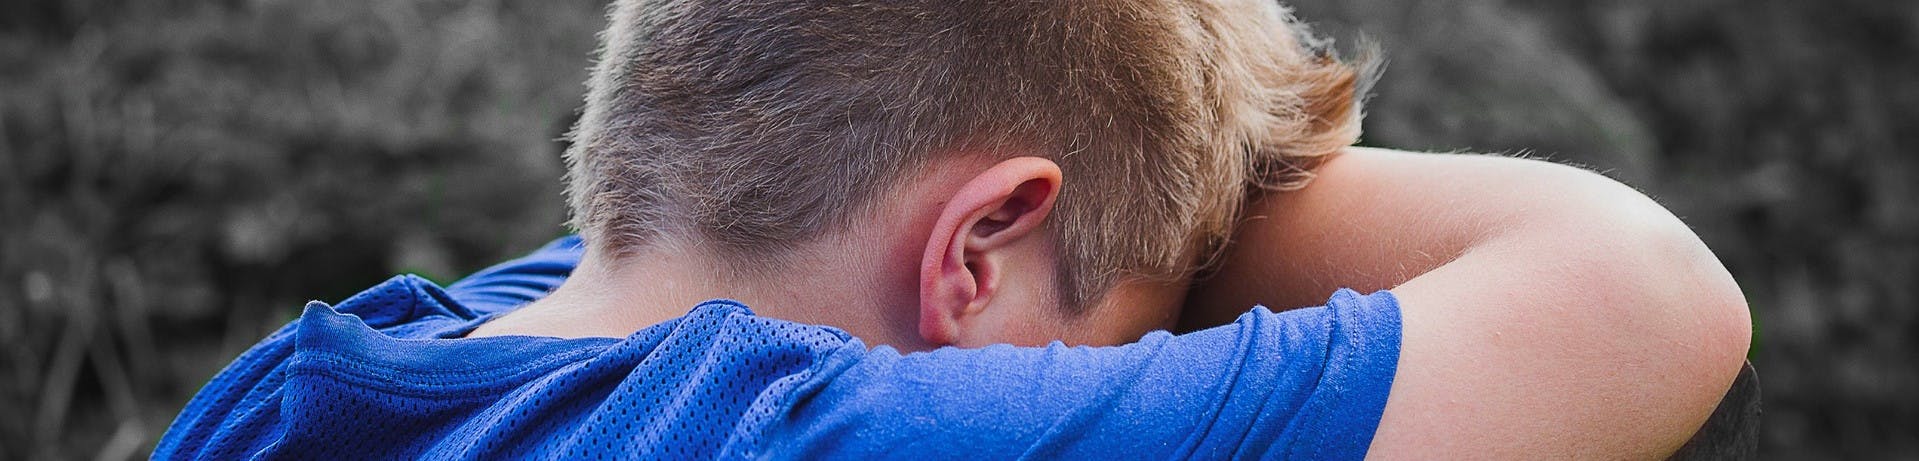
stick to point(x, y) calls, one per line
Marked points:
point(1705, 332)
point(1694, 299)
point(1684, 293)
point(1659, 280)
point(1663, 299)
point(1685, 312)
point(1711, 307)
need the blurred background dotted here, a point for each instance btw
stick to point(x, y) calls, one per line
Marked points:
point(178, 177)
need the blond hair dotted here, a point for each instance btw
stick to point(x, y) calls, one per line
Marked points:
point(754, 125)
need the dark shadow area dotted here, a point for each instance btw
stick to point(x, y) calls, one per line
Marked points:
point(1732, 432)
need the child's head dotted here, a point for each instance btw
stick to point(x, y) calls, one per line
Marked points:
point(751, 127)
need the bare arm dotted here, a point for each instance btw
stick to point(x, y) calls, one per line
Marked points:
point(1548, 312)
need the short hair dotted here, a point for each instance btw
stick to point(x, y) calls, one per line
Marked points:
point(755, 125)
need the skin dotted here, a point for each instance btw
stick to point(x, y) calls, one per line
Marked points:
point(958, 243)
point(1548, 312)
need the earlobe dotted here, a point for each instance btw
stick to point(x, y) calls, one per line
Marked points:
point(959, 270)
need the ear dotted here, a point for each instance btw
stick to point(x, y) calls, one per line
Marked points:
point(960, 270)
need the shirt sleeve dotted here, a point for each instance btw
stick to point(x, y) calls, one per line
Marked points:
point(519, 281)
point(1307, 384)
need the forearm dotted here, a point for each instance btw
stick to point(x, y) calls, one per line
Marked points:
point(1371, 220)
point(1375, 219)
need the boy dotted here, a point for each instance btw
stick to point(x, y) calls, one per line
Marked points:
point(925, 202)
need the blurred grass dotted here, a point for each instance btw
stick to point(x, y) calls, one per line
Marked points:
point(177, 177)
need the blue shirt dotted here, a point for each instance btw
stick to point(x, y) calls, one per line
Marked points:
point(386, 374)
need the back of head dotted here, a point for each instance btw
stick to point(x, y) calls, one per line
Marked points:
point(753, 125)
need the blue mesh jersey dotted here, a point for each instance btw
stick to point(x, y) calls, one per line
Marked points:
point(386, 374)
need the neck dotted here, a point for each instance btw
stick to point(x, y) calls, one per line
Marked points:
point(614, 297)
